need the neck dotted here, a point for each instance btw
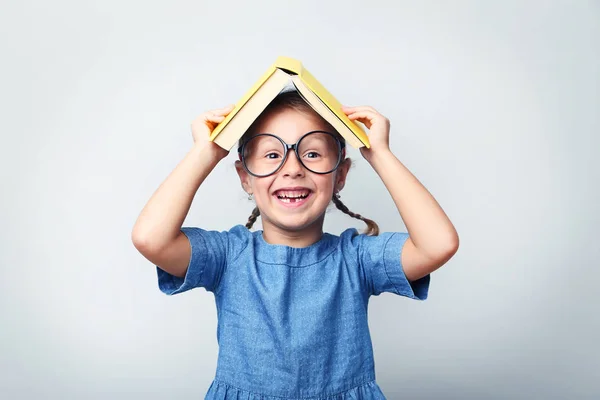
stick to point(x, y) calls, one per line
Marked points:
point(303, 237)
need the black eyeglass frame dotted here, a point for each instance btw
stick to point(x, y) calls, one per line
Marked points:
point(287, 147)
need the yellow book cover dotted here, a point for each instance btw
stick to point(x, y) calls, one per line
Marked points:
point(326, 97)
point(242, 102)
point(295, 67)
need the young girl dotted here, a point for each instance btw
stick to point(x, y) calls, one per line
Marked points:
point(292, 300)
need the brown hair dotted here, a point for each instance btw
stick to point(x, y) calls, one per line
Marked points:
point(293, 100)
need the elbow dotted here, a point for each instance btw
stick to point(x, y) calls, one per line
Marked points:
point(143, 242)
point(139, 242)
point(444, 250)
point(453, 244)
point(449, 248)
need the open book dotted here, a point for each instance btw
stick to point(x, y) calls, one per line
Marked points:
point(284, 72)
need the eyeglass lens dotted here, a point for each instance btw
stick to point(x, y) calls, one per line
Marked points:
point(318, 152)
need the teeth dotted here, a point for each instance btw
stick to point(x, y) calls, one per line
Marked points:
point(290, 199)
point(292, 194)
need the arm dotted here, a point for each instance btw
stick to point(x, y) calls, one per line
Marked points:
point(157, 232)
point(433, 239)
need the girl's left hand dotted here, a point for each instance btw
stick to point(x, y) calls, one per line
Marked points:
point(378, 125)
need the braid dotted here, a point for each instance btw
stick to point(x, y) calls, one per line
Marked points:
point(372, 227)
point(252, 218)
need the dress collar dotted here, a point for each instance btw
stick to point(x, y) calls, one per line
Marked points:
point(293, 256)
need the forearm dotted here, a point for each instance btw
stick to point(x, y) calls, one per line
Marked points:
point(428, 226)
point(162, 217)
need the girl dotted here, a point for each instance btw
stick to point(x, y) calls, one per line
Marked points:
point(291, 300)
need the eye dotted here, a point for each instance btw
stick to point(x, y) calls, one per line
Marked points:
point(312, 154)
point(272, 156)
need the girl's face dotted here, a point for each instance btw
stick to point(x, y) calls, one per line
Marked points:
point(293, 199)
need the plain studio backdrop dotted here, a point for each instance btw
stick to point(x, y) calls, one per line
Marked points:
point(494, 106)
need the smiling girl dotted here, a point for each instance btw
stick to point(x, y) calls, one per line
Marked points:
point(292, 300)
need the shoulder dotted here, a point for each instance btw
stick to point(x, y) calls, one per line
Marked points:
point(237, 232)
point(361, 244)
point(351, 237)
point(233, 241)
point(348, 243)
point(348, 237)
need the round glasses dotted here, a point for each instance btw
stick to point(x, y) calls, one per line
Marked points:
point(318, 151)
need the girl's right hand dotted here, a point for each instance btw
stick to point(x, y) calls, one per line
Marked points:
point(203, 126)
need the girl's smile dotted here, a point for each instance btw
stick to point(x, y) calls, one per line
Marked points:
point(293, 197)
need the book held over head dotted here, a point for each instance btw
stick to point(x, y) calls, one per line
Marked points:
point(284, 74)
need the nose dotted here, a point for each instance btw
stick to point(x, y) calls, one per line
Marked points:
point(292, 166)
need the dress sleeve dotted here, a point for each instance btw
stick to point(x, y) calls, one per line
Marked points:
point(379, 257)
point(208, 261)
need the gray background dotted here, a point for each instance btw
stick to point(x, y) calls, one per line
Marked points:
point(494, 107)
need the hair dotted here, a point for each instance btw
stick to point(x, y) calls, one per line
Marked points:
point(293, 100)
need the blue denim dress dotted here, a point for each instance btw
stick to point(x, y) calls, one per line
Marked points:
point(292, 322)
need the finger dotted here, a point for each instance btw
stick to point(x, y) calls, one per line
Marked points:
point(214, 117)
point(366, 117)
point(360, 108)
point(363, 114)
point(369, 113)
point(221, 111)
point(218, 111)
